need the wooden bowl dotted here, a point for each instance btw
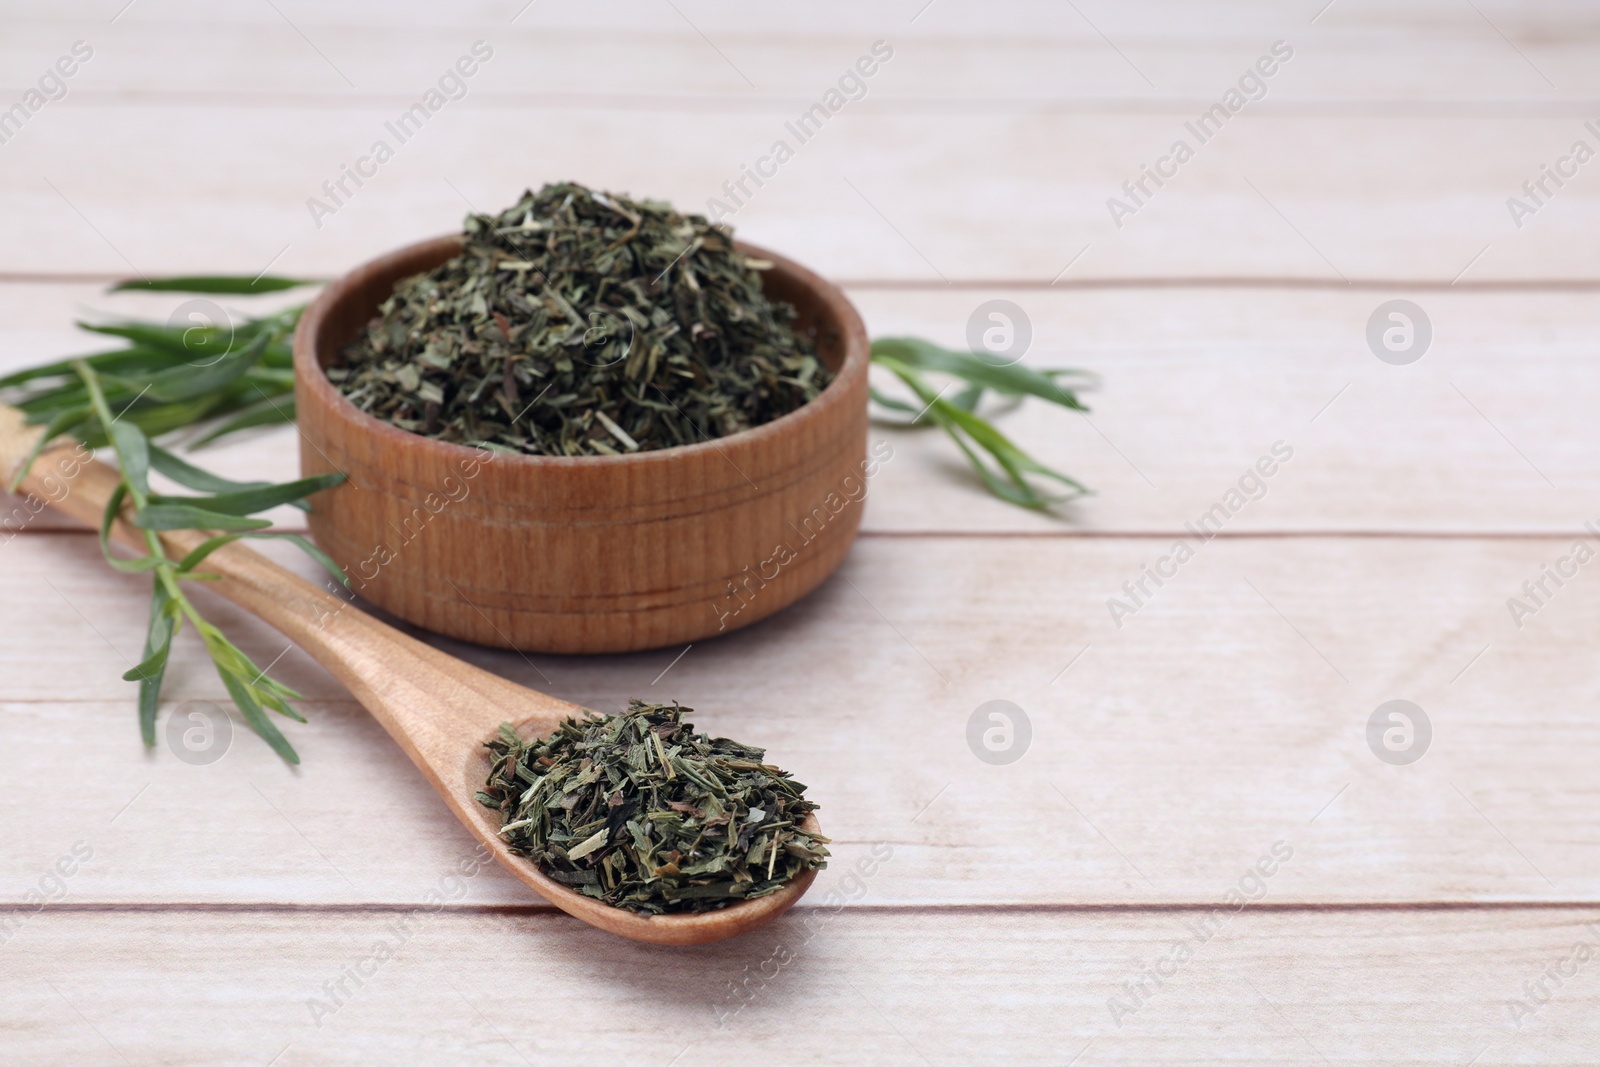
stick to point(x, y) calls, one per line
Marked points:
point(592, 553)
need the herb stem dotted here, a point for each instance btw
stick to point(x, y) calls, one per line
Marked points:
point(251, 689)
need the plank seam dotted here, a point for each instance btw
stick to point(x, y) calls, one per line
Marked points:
point(882, 107)
point(1093, 535)
point(1154, 907)
point(1504, 285)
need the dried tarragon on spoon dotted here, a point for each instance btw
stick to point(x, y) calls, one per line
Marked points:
point(641, 811)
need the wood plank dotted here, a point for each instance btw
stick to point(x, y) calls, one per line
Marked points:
point(1009, 52)
point(1198, 383)
point(925, 197)
point(860, 985)
point(1229, 713)
point(1343, 181)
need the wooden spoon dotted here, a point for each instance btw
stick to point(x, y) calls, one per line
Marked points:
point(437, 708)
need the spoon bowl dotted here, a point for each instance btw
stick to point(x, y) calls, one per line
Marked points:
point(438, 709)
point(680, 929)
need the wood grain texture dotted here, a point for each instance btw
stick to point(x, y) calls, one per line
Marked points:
point(1166, 755)
point(987, 147)
point(860, 985)
point(1197, 383)
point(1006, 56)
point(1273, 196)
point(594, 553)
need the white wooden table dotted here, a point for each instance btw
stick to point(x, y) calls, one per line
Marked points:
point(1054, 910)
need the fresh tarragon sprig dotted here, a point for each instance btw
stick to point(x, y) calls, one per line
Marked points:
point(166, 379)
point(1010, 474)
point(219, 380)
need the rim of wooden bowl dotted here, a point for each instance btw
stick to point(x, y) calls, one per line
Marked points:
point(307, 358)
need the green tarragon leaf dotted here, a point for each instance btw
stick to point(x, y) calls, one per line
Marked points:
point(215, 284)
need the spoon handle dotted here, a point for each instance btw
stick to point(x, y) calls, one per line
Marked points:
point(434, 705)
point(437, 708)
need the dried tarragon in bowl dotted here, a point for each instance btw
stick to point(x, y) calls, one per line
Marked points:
point(579, 323)
point(641, 811)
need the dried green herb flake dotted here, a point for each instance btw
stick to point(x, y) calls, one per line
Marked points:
point(641, 811)
point(579, 323)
